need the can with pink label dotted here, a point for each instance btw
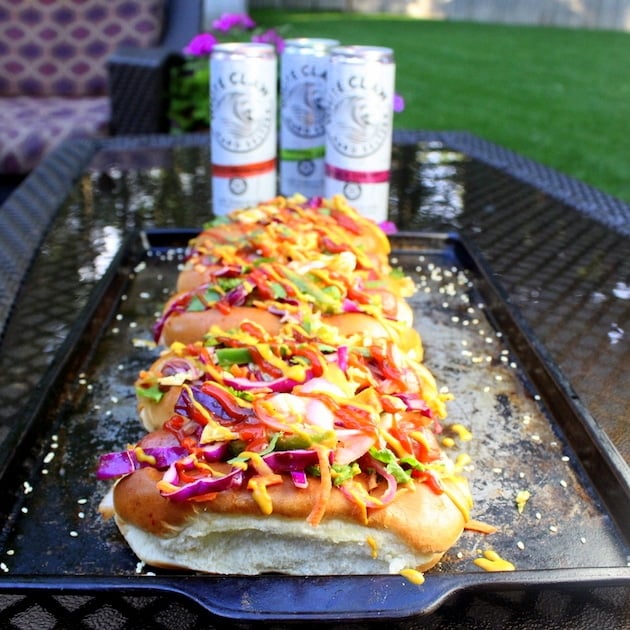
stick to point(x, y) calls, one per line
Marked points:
point(360, 105)
point(243, 128)
point(303, 70)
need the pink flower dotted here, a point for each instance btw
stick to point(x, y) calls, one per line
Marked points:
point(399, 103)
point(389, 227)
point(201, 45)
point(228, 21)
point(270, 37)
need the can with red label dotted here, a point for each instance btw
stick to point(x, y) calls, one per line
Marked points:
point(243, 128)
point(303, 70)
point(360, 101)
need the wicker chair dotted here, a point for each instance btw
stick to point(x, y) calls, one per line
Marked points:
point(72, 69)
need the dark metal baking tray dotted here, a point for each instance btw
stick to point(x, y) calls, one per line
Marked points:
point(529, 431)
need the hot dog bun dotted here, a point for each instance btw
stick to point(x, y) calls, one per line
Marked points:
point(229, 535)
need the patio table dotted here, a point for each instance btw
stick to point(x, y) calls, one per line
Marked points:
point(556, 249)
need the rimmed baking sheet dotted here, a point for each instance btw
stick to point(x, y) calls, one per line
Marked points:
point(527, 434)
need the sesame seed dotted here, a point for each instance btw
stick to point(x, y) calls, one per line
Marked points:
point(583, 540)
point(538, 516)
point(563, 483)
point(553, 528)
point(49, 457)
point(82, 501)
point(74, 534)
point(520, 544)
point(10, 552)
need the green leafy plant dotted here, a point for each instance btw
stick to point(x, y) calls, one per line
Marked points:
point(189, 93)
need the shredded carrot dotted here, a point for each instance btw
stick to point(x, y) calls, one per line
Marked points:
point(203, 498)
point(480, 526)
point(325, 488)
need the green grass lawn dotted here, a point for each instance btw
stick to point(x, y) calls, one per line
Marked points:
point(559, 96)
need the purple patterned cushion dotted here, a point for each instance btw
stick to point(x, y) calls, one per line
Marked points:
point(59, 47)
point(30, 126)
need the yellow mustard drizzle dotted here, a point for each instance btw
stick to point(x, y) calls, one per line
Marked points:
point(462, 503)
point(492, 561)
point(212, 431)
point(463, 459)
point(371, 541)
point(413, 575)
point(141, 456)
point(522, 496)
point(258, 486)
point(462, 432)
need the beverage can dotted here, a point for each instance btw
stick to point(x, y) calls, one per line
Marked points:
point(243, 127)
point(360, 104)
point(303, 71)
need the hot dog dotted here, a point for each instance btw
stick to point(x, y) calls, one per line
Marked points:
point(330, 285)
point(291, 420)
point(285, 229)
point(253, 359)
point(359, 477)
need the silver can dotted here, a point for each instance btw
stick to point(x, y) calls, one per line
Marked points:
point(243, 127)
point(360, 101)
point(303, 70)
